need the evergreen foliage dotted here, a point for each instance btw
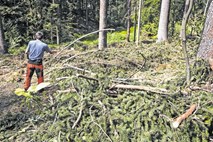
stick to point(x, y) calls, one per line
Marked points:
point(82, 104)
point(21, 19)
point(106, 114)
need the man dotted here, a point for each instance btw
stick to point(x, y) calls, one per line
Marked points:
point(35, 52)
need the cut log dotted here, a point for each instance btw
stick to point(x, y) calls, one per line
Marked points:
point(143, 88)
point(182, 117)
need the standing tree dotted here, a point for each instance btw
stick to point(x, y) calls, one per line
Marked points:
point(163, 23)
point(103, 25)
point(2, 46)
point(135, 21)
point(87, 12)
point(139, 22)
point(58, 26)
point(205, 50)
point(187, 11)
point(128, 20)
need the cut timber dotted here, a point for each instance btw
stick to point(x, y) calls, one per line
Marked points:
point(32, 89)
point(143, 88)
point(178, 120)
point(42, 86)
point(36, 88)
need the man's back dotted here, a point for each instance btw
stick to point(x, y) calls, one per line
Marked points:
point(36, 49)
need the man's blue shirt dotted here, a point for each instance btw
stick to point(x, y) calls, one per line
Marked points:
point(36, 49)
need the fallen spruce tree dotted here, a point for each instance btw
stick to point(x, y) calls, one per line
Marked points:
point(122, 94)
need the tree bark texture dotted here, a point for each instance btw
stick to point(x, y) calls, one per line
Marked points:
point(174, 15)
point(163, 22)
point(139, 22)
point(135, 23)
point(58, 26)
point(2, 46)
point(205, 50)
point(128, 20)
point(103, 25)
point(87, 12)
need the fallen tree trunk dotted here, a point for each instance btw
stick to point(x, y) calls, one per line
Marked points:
point(143, 88)
point(178, 120)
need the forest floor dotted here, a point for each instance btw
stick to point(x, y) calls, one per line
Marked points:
point(11, 78)
point(160, 69)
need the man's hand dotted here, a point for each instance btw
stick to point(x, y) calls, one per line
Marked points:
point(27, 55)
point(53, 52)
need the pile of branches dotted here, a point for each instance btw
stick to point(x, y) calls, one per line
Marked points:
point(119, 94)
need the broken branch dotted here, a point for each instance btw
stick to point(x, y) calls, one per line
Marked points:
point(178, 120)
point(83, 37)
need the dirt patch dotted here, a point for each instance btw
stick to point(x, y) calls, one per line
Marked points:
point(9, 102)
point(11, 78)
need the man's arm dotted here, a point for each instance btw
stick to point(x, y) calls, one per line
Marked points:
point(27, 51)
point(49, 50)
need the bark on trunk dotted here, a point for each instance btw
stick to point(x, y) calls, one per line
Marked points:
point(51, 29)
point(87, 13)
point(205, 50)
point(173, 19)
point(135, 23)
point(3, 49)
point(128, 20)
point(139, 22)
point(103, 25)
point(163, 23)
point(58, 28)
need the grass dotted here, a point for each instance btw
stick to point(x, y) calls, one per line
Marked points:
point(112, 37)
point(91, 41)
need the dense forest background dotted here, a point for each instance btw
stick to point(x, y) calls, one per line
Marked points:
point(147, 85)
point(63, 21)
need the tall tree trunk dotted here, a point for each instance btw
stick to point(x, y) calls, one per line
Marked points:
point(51, 28)
point(163, 22)
point(117, 10)
point(3, 49)
point(103, 25)
point(87, 12)
point(205, 50)
point(135, 23)
point(128, 20)
point(173, 18)
point(110, 11)
point(187, 11)
point(139, 22)
point(58, 26)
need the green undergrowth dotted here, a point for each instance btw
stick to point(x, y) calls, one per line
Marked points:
point(83, 105)
point(112, 37)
